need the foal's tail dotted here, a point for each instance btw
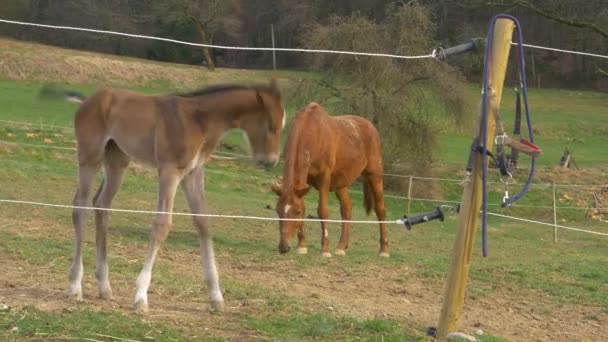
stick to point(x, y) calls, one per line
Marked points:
point(50, 92)
point(368, 197)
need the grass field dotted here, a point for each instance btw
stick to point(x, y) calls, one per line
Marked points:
point(527, 289)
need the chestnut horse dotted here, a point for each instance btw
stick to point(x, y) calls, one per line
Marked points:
point(175, 134)
point(329, 153)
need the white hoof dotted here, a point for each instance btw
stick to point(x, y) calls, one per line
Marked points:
point(340, 252)
point(75, 292)
point(106, 295)
point(217, 306)
point(141, 306)
point(384, 255)
point(301, 250)
point(326, 255)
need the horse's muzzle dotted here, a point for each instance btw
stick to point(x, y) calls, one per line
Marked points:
point(268, 160)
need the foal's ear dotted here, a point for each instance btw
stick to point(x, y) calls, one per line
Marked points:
point(302, 192)
point(260, 98)
point(276, 188)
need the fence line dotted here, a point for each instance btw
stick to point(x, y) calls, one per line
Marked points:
point(385, 195)
point(33, 124)
point(135, 211)
point(262, 218)
point(225, 47)
point(563, 51)
point(433, 54)
point(548, 224)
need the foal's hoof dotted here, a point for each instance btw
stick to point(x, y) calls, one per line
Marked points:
point(340, 252)
point(326, 254)
point(217, 306)
point(384, 255)
point(75, 294)
point(141, 306)
point(301, 250)
point(106, 295)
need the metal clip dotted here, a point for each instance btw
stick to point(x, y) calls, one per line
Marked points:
point(500, 139)
point(467, 178)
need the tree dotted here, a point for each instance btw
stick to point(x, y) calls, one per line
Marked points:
point(207, 16)
point(396, 95)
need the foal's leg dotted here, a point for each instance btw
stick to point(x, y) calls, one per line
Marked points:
point(168, 182)
point(115, 164)
point(193, 186)
point(376, 185)
point(86, 176)
point(346, 209)
point(324, 215)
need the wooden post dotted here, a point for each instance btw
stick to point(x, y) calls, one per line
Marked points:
point(409, 194)
point(554, 214)
point(471, 198)
point(274, 57)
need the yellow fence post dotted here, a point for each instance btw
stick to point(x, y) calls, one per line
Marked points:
point(472, 195)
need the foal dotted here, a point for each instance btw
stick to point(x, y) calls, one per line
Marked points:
point(175, 134)
point(329, 153)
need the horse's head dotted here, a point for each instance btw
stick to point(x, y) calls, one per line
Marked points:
point(264, 130)
point(290, 205)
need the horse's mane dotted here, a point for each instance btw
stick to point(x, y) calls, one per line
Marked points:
point(292, 145)
point(220, 88)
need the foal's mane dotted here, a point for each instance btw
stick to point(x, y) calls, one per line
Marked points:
point(220, 88)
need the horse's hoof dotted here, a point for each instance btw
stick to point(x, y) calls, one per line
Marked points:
point(326, 254)
point(340, 252)
point(384, 255)
point(141, 306)
point(217, 306)
point(301, 250)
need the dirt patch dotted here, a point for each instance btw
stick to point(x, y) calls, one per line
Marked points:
point(363, 291)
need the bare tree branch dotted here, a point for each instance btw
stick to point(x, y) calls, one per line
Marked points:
point(543, 13)
point(555, 17)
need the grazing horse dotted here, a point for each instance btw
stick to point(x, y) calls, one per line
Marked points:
point(174, 133)
point(329, 153)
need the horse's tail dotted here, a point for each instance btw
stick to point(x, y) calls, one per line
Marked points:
point(50, 92)
point(368, 197)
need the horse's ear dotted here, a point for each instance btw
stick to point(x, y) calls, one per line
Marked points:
point(274, 85)
point(276, 188)
point(302, 192)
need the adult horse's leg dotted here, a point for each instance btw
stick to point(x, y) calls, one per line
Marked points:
point(302, 249)
point(376, 185)
point(323, 213)
point(346, 209)
point(115, 164)
point(168, 181)
point(86, 176)
point(193, 186)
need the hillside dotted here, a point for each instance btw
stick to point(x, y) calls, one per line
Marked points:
point(562, 118)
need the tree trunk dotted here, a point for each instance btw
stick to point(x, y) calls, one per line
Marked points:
point(206, 52)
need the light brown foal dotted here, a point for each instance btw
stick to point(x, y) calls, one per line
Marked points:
point(174, 133)
point(329, 153)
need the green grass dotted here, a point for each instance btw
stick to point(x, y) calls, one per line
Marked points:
point(562, 118)
point(30, 323)
point(329, 328)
